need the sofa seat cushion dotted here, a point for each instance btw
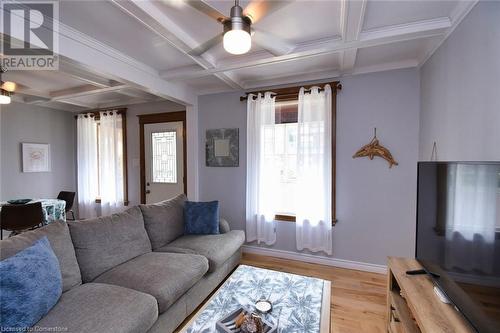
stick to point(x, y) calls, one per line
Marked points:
point(95, 307)
point(216, 248)
point(166, 276)
point(60, 242)
point(105, 242)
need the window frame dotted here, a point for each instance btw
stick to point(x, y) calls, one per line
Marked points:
point(292, 94)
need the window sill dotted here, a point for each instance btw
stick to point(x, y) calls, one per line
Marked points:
point(98, 201)
point(292, 218)
point(285, 218)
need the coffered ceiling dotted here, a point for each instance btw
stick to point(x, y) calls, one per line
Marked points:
point(318, 39)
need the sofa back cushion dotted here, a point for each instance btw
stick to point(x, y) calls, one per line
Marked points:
point(164, 221)
point(60, 241)
point(105, 242)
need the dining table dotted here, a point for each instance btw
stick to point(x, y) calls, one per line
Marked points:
point(53, 209)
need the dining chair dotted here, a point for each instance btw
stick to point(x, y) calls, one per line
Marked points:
point(17, 218)
point(69, 197)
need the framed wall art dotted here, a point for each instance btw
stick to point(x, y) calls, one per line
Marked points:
point(36, 157)
point(222, 147)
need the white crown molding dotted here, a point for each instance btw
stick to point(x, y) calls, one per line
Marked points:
point(461, 10)
point(327, 73)
point(389, 66)
point(316, 259)
point(438, 24)
point(269, 81)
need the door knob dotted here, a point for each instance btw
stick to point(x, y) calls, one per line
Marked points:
point(148, 191)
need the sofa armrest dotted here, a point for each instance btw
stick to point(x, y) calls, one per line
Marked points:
point(224, 226)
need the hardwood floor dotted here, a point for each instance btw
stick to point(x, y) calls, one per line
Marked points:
point(358, 299)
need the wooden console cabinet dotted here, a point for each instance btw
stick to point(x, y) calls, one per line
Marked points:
point(412, 305)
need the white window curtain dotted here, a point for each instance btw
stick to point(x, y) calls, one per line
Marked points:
point(314, 171)
point(87, 165)
point(262, 171)
point(471, 216)
point(111, 162)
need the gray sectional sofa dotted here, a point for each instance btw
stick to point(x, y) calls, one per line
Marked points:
point(134, 271)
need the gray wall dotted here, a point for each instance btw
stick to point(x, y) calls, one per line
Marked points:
point(375, 204)
point(30, 123)
point(133, 145)
point(460, 86)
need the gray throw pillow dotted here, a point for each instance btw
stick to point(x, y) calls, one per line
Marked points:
point(164, 221)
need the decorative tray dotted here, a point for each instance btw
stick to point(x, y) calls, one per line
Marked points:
point(228, 323)
point(19, 201)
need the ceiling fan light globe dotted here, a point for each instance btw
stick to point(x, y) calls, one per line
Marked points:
point(9, 86)
point(237, 41)
point(5, 99)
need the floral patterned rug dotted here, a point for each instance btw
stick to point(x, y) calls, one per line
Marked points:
point(296, 300)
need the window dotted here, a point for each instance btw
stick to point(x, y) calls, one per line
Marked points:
point(290, 171)
point(102, 167)
point(280, 143)
point(164, 164)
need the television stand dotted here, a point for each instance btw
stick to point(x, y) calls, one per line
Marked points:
point(412, 305)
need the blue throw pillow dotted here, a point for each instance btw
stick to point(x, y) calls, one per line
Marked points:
point(201, 218)
point(30, 285)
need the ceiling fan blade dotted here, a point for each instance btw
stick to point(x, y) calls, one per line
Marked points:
point(275, 45)
point(257, 9)
point(206, 9)
point(198, 51)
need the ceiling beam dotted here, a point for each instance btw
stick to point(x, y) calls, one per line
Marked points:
point(152, 17)
point(136, 94)
point(376, 37)
point(75, 103)
point(76, 73)
point(83, 91)
point(353, 14)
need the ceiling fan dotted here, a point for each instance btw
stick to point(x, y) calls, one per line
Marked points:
point(7, 88)
point(238, 33)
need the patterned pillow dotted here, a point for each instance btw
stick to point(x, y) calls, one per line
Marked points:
point(201, 218)
point(31, 285)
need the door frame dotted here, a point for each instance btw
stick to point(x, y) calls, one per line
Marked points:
point(166, 117)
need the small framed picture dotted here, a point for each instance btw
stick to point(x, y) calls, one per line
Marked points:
point(222, 147)
point(36, 157)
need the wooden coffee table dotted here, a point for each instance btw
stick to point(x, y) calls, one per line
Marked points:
point(300, 303)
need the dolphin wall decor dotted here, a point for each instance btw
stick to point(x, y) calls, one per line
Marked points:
point(374, 148)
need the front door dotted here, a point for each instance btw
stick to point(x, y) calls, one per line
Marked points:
point(164, 160)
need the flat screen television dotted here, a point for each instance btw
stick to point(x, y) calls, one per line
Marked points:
point(458, 236)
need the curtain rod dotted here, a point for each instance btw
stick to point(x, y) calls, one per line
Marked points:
point(293, 91)
point(96, 113)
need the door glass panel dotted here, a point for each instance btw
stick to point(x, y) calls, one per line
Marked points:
point(164, 162)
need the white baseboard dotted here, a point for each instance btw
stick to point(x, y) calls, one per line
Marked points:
point(305, 257)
